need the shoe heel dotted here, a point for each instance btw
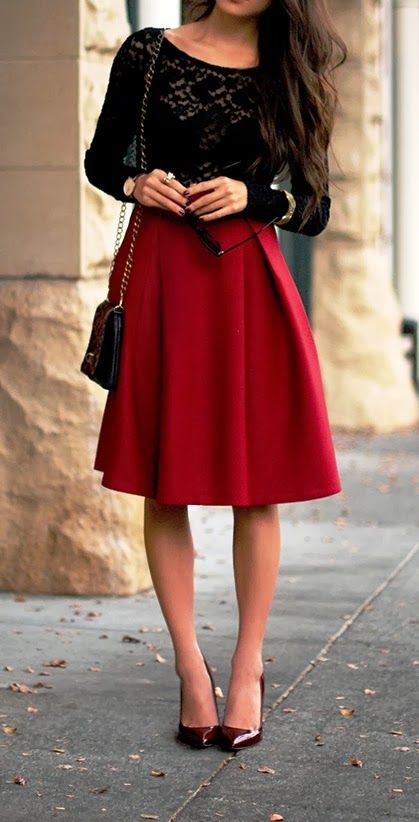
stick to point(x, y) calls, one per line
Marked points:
point(233, 739)
point(199, 736)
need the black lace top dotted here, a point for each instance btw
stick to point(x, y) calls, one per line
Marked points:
point(201, 122)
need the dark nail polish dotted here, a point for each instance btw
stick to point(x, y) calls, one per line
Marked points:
point(182, 212)
point(186, 193)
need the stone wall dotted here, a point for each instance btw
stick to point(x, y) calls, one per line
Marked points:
point(62, 532)
point(356, 313)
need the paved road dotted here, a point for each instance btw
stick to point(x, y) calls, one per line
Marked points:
point(343, 634)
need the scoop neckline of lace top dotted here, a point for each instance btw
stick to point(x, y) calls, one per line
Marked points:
point(215, 66)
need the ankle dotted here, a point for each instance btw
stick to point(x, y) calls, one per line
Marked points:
point(250, 665)
point(189, 664)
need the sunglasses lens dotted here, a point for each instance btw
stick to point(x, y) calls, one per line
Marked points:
point(210, 243)
point(207, 239)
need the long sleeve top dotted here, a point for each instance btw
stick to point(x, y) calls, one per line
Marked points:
point(201, 122)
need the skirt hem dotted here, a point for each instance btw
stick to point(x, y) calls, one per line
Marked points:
point(206, 500)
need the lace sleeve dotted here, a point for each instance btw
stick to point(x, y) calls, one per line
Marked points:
point(265, 203)
point(111, 157)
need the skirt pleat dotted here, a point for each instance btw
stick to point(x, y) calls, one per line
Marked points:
point(220, 398)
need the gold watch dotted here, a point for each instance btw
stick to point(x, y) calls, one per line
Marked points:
point(129, 185)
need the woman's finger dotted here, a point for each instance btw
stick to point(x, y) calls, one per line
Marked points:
point(215, 215)
point(212, 204)
point(204, 199)
point(156, 187)
point(173, 190)
point(157, 199)
point(207, 185)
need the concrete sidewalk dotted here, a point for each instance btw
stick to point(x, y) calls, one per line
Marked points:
point(343, 634)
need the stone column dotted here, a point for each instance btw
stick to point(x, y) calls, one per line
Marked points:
point(356, 315)
point(61, 531)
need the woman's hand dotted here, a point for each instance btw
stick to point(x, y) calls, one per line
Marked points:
point(150, 190)
point(217, 198)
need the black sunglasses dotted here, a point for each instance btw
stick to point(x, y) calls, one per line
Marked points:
point(212, 244)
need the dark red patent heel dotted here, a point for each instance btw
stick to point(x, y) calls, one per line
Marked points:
point(233, 739)
point(203, 736)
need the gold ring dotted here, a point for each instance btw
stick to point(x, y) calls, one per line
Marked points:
point(169, 176)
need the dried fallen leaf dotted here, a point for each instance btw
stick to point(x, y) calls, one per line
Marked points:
point(276, 817)
point(20, 598)
point(157, 773)
point(65, 767)
point(397, 790)
point(152, 646)
point(218, 692)
point(369, 691)
point(29, 670)
point(289, 710)
point(318, 739)
point(357, 762)
point(209, 627)
point(352, 665)
point(148, 816)
point(8, 668)
point(31, 710)
point(347, 711)
point(21, 688)
point(55, 663)
point(19, 780)
point(41, 685)
point(134, 757)
point(403, 748)
point(160, 658)
point(58, 750)
point(94, 669)
point(265, 769)
point(7, 729)
point(93, 614)
point(99, 790)
point(396, 733)
point(128, 638)
point(269, 659)
point(275, 684)
point(384, 488)
point(243, 765)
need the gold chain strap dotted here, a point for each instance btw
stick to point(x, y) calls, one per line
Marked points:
point(143, 168)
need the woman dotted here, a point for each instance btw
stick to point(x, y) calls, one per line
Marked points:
point(219, 399)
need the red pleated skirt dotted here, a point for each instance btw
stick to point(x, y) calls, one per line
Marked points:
point(219, 398)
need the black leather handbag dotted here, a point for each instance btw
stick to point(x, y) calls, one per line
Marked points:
point(102, 358)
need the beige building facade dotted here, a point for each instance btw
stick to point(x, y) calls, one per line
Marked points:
point(61, 530)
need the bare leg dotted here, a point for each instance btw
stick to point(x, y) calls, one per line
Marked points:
point(170, 554)
point(256, 553)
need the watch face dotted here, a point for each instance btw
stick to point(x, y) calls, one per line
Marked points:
point(129, 186)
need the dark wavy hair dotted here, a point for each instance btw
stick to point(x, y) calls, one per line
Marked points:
point(299, 49)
